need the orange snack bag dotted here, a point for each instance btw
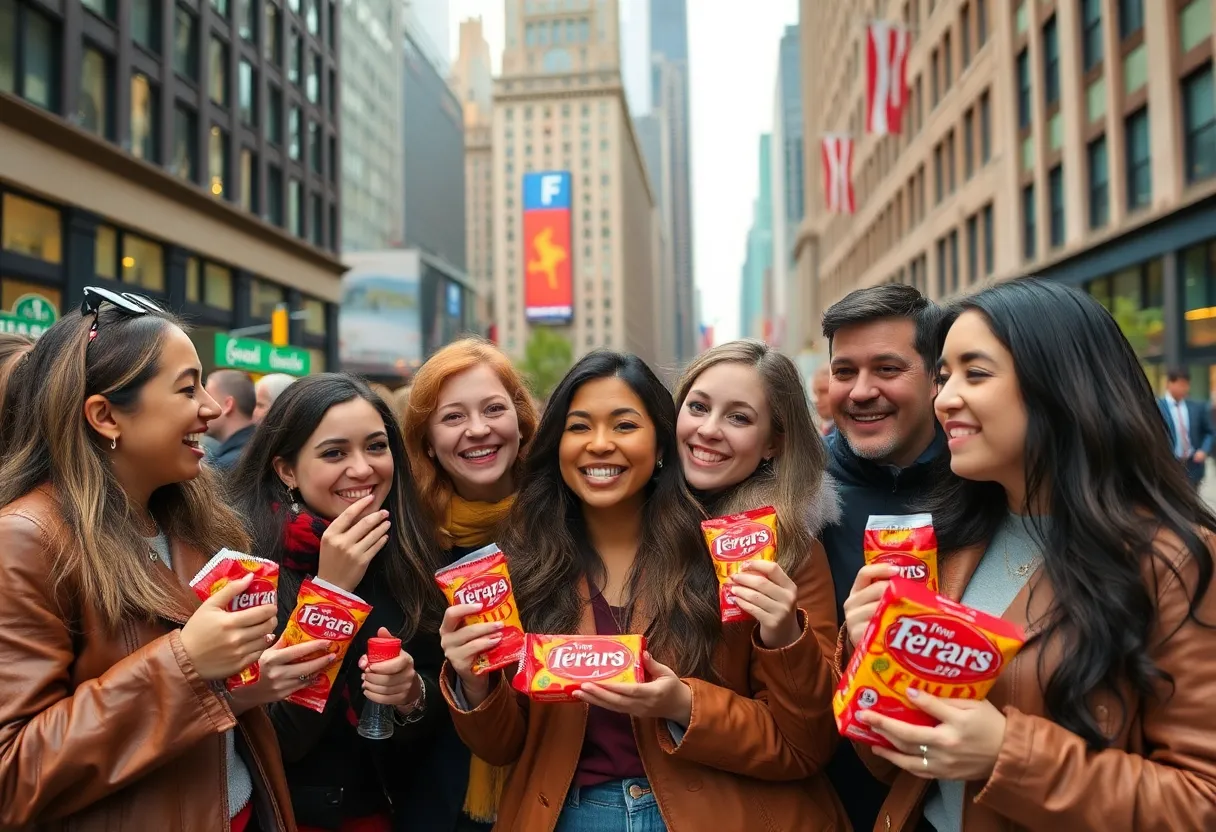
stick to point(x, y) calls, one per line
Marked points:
point(227, 566)
point(554, 667)
point(481, 577)
point(324, 612)
point(919, 639)
point(735, 539)
point(906, 541)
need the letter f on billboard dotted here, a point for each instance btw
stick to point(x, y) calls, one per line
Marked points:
point(550, 186)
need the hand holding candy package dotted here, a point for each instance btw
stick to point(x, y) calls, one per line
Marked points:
point(324, 612)
point(733, 541)
point(554, 667)
point(227, 566)
point(481, 577)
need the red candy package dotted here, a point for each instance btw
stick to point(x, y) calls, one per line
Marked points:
point(481, 577)
point(227, 566)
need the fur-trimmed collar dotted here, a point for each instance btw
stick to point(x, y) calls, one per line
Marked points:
point(821, 506)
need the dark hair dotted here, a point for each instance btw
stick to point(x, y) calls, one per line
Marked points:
point(547, 542)
point(240, 387)
point(409, 560)
point(48, 441)
point(890, 300)
point(1178, 374)
point(1097, 458)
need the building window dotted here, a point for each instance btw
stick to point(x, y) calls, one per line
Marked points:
point(101, 8)
point(312, 85)
point(217, 286)
point(985, 129)
point(964, 37)
point(1055, 195)
point(32, 229)
point(93, 105)
point(185, 143)
point(29, 59)
point(314, 146)
point(1091, 33)
point(1194, 25)
point(1199, 125)
point(1051, 63)
point(295, 208)
point(105, 252)
point(1131, 17)
point(1099, 183)
point(264, 296)
point(248, 94)
point(947, 64)
point(981, 23)
point(295, 58)
point(989, 242)
point(315, 223)
point(185, 44)
point(249, 180)
point(217, 161)
point(973, 249)
point(314, 317)
point(1024, 101)
point(332, 98)
point(274, 116)
point(1029, 229)
point(221, 8)
point(333, 163)
point(954, 271)
point(194, 286)
point(968, 144)
point(937, 174)
point(218, 85)
point(274, 195)
point(941, 268)
point(273, 51)
point(143, 119)
point(950, 162)
point(1139, 162)
point(311, 17)
point(145, 24)
point(293, 132)
point(933, 88)
point(247, 23)
point(143, 263)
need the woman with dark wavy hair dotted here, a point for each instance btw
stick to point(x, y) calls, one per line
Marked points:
point(1070, 517)
point(604, 539)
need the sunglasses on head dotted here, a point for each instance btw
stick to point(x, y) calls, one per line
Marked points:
point(129, 303)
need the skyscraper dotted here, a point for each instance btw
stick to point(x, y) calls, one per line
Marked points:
point(669, 101)
point(788, 190)
point(427, 20)
point(559, 106)
point(756, 301)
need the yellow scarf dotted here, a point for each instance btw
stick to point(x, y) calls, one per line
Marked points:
point(473, 524)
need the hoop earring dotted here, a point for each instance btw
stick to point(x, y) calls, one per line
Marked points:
point(114, 443)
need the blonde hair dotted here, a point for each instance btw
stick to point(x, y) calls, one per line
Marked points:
point(793, 481)
point(434, 485)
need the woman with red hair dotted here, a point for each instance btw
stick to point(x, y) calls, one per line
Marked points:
point(467, 426)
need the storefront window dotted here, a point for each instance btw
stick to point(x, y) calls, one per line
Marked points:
point(264, 297)
point(217, 286)
point(105, 252)
point(32, 229)
point(1135, 299)
point(143, 263)
point(314, 324)
point(11, 290)
point(1199, 294)
point(194, 289)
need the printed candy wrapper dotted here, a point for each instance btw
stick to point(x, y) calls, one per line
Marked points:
point(733, 541)
point(324, 612)
point(918, 639)
point(227, 566)
point(906, 541)
point(481, 577)
point(554, 667)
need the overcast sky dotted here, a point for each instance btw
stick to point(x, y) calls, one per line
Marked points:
point(733, 69)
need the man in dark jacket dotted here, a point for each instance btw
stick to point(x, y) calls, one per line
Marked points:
point(886, 452)
point(233, 392)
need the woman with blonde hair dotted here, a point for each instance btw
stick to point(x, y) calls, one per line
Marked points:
point(467, 427)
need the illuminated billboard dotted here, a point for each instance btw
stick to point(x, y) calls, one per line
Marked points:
point(548, 270)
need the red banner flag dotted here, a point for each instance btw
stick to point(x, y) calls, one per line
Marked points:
point(886, 77)
point(838, 174)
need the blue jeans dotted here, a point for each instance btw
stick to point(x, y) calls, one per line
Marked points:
point(616, 806)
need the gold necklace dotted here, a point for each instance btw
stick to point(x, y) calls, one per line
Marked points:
point(1022, 570)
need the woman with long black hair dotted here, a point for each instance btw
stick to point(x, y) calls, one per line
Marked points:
point(734, 723)
point(1068, 516)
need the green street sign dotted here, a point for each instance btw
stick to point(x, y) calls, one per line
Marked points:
point(32, 315)
point(254, 356)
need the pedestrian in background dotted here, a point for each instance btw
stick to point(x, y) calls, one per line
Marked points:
point(113, 709)
point(267, 389)
point(1189, 424)
point(233, 428)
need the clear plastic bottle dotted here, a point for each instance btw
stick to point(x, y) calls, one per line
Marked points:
point(376, 721)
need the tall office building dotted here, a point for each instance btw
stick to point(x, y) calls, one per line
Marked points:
point(559, 105)
point(788, 330)
point(185, 152)
point(669, 102)
point(1044, 121)
point(472, 82)
point(429, 23)
point(755, 285)
point(372, 173)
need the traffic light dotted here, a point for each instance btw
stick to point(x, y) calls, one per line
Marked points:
point(279, 331)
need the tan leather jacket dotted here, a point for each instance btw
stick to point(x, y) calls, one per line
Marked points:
point(752, 757)
point(112, 732)
point(1158, 774)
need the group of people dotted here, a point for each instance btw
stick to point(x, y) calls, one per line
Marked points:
point(1018, 416)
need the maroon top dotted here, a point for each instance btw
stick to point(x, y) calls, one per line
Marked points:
point(610, 751)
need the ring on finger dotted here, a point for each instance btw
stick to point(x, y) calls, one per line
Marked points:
point(924, 755)
point(303, 677)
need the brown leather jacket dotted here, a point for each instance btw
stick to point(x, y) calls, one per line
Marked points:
point(1158, 774)
point(752, 757)
point(112, 732)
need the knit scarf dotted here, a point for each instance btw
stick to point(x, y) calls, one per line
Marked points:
point(302, 553)
point(470, 523)
point(473, 524)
